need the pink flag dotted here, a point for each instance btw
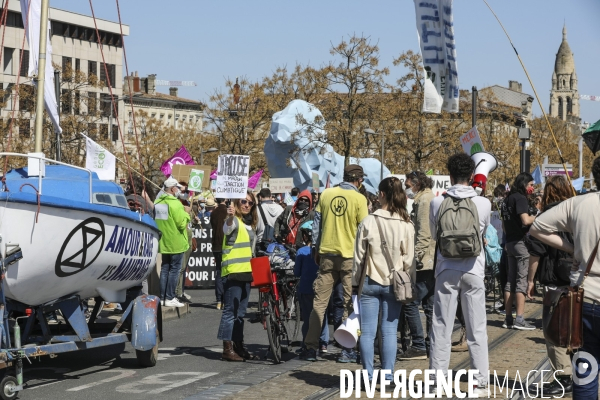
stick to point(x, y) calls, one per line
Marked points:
point(180, 157)
point(213, 175)
point(253, 180)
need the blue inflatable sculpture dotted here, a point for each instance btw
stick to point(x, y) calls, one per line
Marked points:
point(289, 140)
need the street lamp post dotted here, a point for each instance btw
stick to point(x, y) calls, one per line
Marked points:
point(370, 131)
point(203, 152)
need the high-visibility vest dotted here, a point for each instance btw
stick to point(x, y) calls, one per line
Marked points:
point(236, 258)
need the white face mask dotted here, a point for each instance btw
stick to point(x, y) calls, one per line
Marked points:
point(409, 193)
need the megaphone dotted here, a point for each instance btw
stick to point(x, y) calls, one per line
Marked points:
point(347, 334)
point(484, 164)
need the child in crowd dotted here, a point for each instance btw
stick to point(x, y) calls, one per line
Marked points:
point(306, 268)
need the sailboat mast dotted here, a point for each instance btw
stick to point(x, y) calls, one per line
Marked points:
point(39, 106)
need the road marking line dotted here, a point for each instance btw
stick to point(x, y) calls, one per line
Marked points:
point(121, 374)
point(168, 384)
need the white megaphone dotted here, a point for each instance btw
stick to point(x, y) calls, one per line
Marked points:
point(484, 164)
point(347, 334)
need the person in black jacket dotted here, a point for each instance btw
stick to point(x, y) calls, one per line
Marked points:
point(553, 268)
point(217, 219)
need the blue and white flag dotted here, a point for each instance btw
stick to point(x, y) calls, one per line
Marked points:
point(537, 175)
point(435, 27)
point(578, 183)
point(287, 199)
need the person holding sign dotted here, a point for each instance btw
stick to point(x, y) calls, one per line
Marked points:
point(242, 230)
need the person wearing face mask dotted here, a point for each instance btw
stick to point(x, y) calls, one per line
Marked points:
point(418, 188)
point(516, 228)
point(172, 220)
point(288, 223)
point(242, 230)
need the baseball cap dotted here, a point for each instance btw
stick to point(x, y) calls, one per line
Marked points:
point(354, 169)
point(172, 182)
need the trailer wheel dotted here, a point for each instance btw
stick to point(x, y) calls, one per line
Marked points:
point(147, 358)
point(7, 384)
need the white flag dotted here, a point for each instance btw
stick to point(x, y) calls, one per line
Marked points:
point(32, 28)
point(99, 160)
point(435, 27)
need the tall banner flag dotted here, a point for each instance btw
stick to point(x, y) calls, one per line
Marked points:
point(181, 156)
point(435, 27)
point(232, 176)
point(253, 180)
point(537, 175)
point(32, 30)
point(99, 160)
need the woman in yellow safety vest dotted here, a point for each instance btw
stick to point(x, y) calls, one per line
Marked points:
point(242, 230)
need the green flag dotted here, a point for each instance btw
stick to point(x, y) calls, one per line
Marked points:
point(430, 172)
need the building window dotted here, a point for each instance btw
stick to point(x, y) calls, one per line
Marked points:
point(14, 19)
point(115, 133)
point(111, 69)
point(25, 128)
point(24, 62)
point(77, 64)
point(104, 131)
point(130, 125)
point(92, 68)
point(105, 104)
point(8, 60)
point(67, 65)
point(560, 108)
point(65, 102)
point(569, 106)
point(92, 103)
point(92, 131)
point(77, 105)
point(26, 98)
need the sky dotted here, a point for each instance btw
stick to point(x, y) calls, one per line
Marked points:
point(209, 41)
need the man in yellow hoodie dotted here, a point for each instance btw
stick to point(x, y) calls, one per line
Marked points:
point(172, 220)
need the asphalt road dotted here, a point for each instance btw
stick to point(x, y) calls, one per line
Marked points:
point(189, 362)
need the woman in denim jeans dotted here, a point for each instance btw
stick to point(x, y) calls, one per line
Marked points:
point(377, 292)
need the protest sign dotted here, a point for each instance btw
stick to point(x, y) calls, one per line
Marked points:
point(471, 142)
point(200, 271)
point(441, 184)
point(182, 173)
point(195, 181)
point(232, 176)
point(281, 185)
point(315, 182)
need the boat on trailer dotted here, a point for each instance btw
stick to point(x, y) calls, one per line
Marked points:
point(65, 237)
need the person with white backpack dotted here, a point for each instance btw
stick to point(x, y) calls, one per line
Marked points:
point(458, 221)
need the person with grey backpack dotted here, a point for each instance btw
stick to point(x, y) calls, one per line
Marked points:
point(458, 220)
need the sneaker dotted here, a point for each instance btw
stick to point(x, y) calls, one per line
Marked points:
point(481, 392)
point(523, 325)
point(347, 356)
point(173, 303)
point(414, 354)
point(508, 324)
point(323, 348)
point(187, 296)
point(184, 300)
point(499, 305)
point(219, 305)
point(52, 319)
point(309, 355)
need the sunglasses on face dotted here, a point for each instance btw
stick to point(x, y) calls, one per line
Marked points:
point(250, 203)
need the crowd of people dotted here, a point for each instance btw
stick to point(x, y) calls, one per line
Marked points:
point(444, 244)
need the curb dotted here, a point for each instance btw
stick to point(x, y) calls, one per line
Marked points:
point(169, 313)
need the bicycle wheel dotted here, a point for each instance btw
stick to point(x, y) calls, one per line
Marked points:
point(272, 327)
point(295, 319)
point(281, 318)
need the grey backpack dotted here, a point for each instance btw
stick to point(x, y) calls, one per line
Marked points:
point(458, 228)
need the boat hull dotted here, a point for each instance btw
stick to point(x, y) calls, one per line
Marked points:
point(74, 252)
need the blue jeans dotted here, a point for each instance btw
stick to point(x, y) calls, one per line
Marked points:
point(591, 345)
point(235, 303)
point(425, 297)
point(374, 295)
point(218, 279)
point(306, 306)
point(169, 274)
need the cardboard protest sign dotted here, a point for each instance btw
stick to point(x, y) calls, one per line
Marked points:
point(232, 176)
point(281, 185)
point(200, 271)
point(315, 182)
point(471, 142)
point(195, 181)
point(182, 173)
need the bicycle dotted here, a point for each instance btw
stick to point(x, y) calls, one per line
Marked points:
point(278, 304)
